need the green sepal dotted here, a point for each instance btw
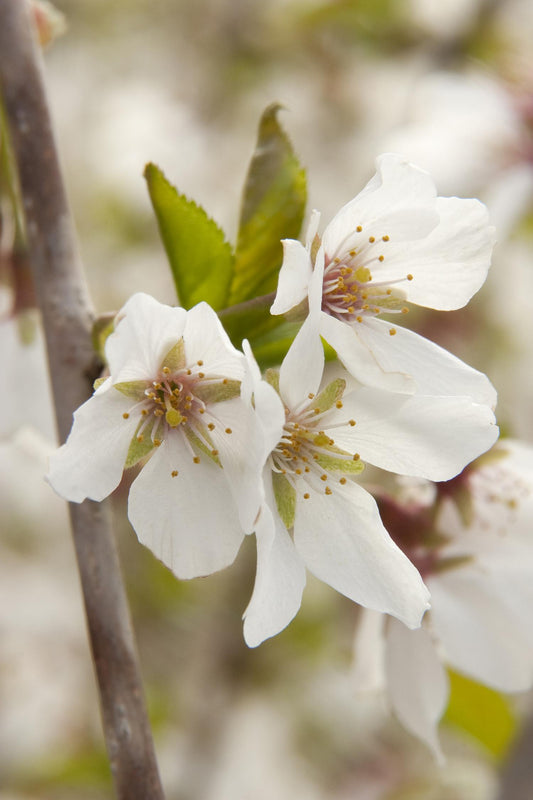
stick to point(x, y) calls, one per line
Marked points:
point(139, 450)
point(330, 395)
point(345, 465)
point(201, 260)
point(199, 444)
point(175, 358)
point(285, 498)
point(217, 392)
point(315, 247)
point(393, 302)
point(134, 389)
point(272, 209)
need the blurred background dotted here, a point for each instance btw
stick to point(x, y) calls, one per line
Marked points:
point(183, 84)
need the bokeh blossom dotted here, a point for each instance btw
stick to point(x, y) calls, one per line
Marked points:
point(475, 555)
point(24, 369)
point(395, 243)
point(473, 133)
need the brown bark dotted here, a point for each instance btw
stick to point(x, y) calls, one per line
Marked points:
point(67, 319)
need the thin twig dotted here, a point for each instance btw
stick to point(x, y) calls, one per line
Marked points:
point(67, 319)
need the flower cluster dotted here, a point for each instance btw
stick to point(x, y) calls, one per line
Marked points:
point(225, 451)
point(474, 552)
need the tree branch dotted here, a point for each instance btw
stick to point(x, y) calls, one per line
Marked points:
point(517, 771)
point(67, 319)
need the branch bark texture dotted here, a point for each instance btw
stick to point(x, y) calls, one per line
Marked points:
point(517, 773)
point(67, 319)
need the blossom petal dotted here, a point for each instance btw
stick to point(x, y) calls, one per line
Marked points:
point(302, 367)
point(509, 196)
point(482, 638)
point(294, 277)
point(312, 228)
point(450, 264)
point(417, 681)
point(435, 371)
point(343, 542)
point(91, 462)
point(429, 437)
point(189, 521)
point(145, 332)
point(398, 201)
point(266, 401)
point(239, 438)
point(279, 581)
point(206, 340)
point(359, 358)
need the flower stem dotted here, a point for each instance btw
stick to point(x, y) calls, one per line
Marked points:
point(67, 319)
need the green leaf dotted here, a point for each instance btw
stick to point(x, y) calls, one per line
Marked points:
point(250, 319)
point(200, 258)
point(285, 498)
point(482, 712)
point(270, 349)
point(273, 207)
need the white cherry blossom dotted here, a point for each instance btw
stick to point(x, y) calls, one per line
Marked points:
point(395, 243)
point(318, 434)
point(477, 560)
point(171, 403)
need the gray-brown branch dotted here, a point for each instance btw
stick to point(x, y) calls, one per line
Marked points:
point(517, 772)
point(67, 319)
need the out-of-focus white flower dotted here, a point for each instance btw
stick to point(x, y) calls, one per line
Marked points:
point(26, 400)
point(318, 433)
point(508, 307)
point(46, 683)
point(476, 557)
point(472, 134)
point(173, 396)
point(396, 242)
point(448, 21)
